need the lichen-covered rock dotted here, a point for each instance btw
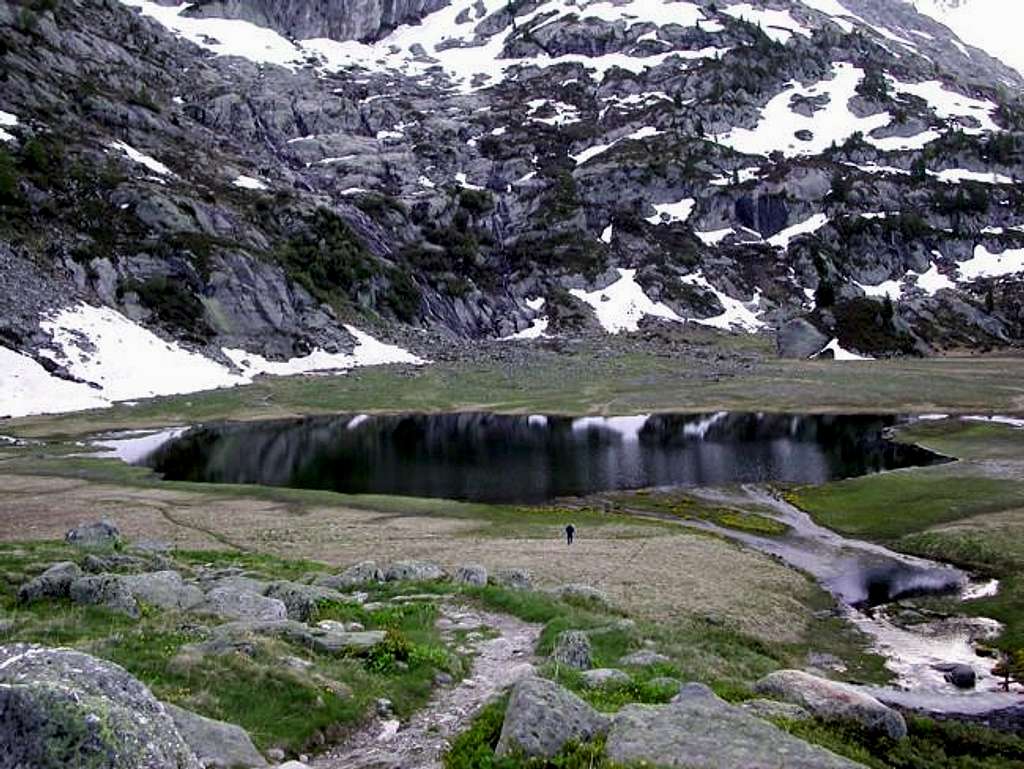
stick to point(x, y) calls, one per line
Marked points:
point(773, 709)
point(163, 589)
point(55, 582)
point(471, 574)
point(414, 571)
point(217, 745)
point(238, 636)
point(107, 590)
point(301, 601)
point(99, 535)
point(542, 717)
point(360, 574)
point(644, 658)
point(605, 678)
point(572, 648)
point(582, 594)
point(517, 579)
point(700, 731)
point(241, 604)
point(61, 709)
point(833, 701)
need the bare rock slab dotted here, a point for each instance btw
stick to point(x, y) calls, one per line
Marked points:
point(217, 745)
point(833, 701)
point(700, 731)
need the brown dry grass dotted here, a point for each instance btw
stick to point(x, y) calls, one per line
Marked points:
point(655, 572)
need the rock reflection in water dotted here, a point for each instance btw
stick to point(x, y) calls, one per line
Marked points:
point(531, 459)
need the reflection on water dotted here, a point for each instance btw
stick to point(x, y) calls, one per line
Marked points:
point(530, 459)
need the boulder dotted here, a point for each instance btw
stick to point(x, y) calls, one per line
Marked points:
point(833, 701)
point(542, 717)
point(301, 601)
point(644, 658)
point(55, 582)
point(235, 636)
point(360, 574)
point(961, 676)
point(773, 709)
point(107, 590)
point(517, 579)
point(217, 745)
point(471, 574)
point(697, 730)
point(581, 593)
point(163, 589)
point(240, 604)
point(414, 571)
point(572, 648)
point(605, 678)
point(98, 535)
point(799, 339)
point(61, 708)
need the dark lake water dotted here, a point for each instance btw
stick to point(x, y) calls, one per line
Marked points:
point(520, 459)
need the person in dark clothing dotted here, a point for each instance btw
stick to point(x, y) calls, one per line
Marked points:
point(570, 532)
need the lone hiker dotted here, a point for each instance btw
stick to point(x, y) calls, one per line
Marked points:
point(570, 532)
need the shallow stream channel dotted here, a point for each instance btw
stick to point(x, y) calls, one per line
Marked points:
point(726, 459)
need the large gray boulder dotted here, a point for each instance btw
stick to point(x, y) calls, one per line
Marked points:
point(833, 701)
point(414, 571)
point(581, 593)
point(697, 730)
point(99, 535)
point(361, 573)
point(301, 601)
point(217, 745)
point(61, 708)
point(542, 717)
point(55, 582)
point(644, 658)
point(241, 604)
point(572, 649)
point(799, 339)
point(163, 589)
point(471, 574)
point(107, 590)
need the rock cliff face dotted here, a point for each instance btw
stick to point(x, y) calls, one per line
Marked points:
point(215, 174)
point(365, 20)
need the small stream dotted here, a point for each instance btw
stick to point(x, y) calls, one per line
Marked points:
point(868, 581)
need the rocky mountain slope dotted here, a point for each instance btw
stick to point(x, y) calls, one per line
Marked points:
point(253, 182)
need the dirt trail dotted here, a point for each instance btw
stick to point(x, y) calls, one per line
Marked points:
point(501, 660)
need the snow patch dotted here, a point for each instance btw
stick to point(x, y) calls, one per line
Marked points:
point(985, 264)
point(622, 305)
point(669, 213)
point(783, 238)
point(248, 183)
point(7, 120)
point(736, 315)
point(839, 353)
point(142, 159)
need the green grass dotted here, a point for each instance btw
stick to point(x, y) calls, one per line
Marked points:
point(606, 378)
point(890, 505)
point(688, 508)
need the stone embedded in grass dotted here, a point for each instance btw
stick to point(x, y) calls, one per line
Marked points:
point(644, 658)
point(542, 718)
point(164, 589)
point(700, 730)
point(106, 590)
point(55, 582)
point(414, 571)
point(101, 535)
point(361, 573)
point(215, 743)
point(773, 709)
point(471, 574)
point(573, 650)
point(581, 593)
point(833, 701)
point(605, 678)
point(61, 708)
point(301, 601)
point(234, 636)
point(240, 604)
point(516, 579)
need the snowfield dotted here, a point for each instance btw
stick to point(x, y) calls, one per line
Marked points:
point(622, 305)
point(119, 360)
point(7, 120)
